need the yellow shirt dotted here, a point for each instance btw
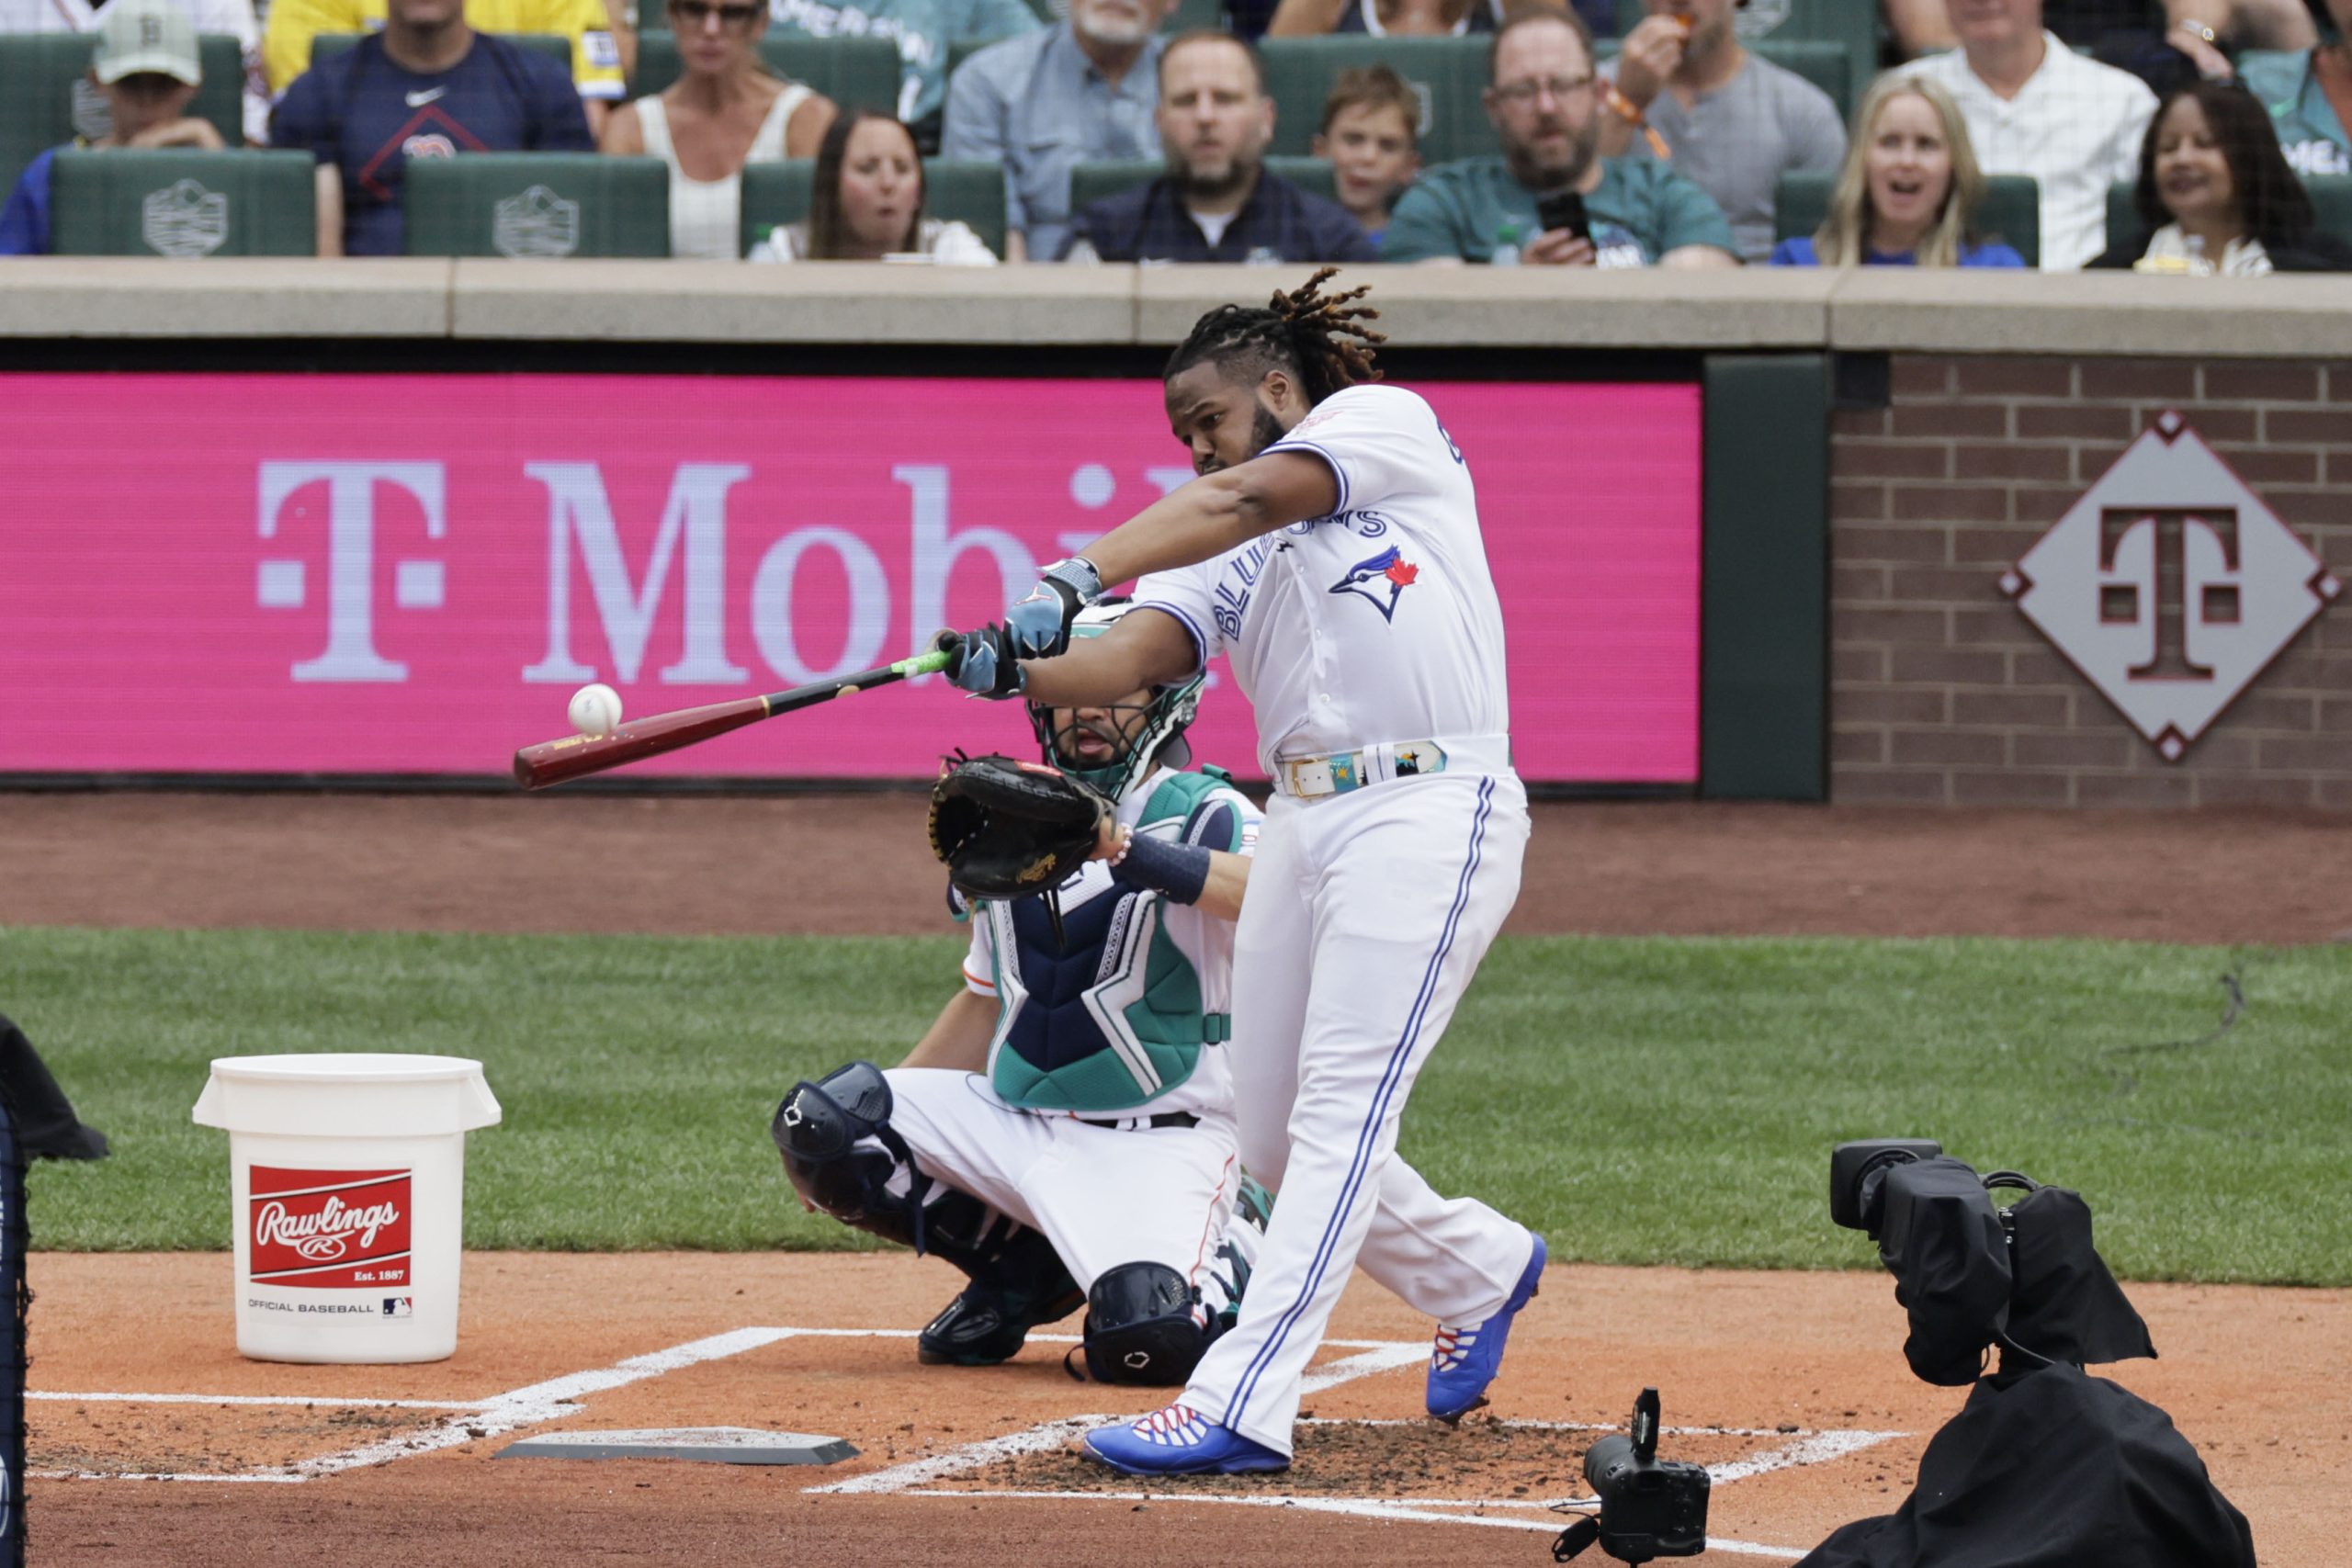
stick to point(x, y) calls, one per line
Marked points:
point(595, 61)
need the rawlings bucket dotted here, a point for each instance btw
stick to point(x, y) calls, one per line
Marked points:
point(347, 1180)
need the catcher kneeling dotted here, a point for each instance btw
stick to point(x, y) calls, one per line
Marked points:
point(1064, 1131)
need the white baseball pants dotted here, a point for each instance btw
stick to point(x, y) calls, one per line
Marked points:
point(1366, 916)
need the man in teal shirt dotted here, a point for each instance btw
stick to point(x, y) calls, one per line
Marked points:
point(1543, 99)
point(2291, 87)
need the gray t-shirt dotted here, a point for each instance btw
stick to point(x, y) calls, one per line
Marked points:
point(1736, 142)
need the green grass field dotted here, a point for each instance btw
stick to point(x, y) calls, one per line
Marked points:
point(1639, 1100)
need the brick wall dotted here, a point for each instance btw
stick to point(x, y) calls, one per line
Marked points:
point(1942, 692)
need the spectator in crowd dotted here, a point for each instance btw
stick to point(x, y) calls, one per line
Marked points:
point(1543, 101)
point(599, 64)
point(725, 110)
point(866, 203)
point(919, 30)
point(1044, 102)
point(1412, 18)
point(2162, 44)
point(146, 66)
point(427, 87)
point(2215, 194)
point(2309, 94)
point(1217, 202)
point(2036, 107)
point(1372, 136)
point(1734, 124)
point(1907, 192)
point(233, 19)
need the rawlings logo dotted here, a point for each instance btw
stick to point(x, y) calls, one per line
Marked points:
point(329, 1229)
point(323, 1237)
point(1036, 871)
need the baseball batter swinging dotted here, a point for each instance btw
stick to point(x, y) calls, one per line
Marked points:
point(1330, 547)
point(1080, 1143)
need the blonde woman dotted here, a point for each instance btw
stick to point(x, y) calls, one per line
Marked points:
point(1907, 192)
point(723, 111)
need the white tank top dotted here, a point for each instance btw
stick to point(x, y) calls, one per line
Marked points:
point(705, 215)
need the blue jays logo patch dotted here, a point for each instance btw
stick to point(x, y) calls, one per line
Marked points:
point(1380, 579)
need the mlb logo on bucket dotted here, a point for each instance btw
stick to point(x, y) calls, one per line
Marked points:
point(399, 1306)
point(329, 1229)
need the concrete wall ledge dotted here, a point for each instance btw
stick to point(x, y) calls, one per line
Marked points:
point(1886, 310)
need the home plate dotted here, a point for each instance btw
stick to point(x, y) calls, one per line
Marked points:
point(721, 1445)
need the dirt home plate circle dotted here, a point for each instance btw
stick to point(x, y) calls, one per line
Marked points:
point(347, 1176)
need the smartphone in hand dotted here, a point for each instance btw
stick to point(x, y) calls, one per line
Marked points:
point(1563, 209)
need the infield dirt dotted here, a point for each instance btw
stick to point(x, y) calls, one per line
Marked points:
point(2250, 1375)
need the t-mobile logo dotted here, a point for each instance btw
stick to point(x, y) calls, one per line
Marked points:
point(283, 583)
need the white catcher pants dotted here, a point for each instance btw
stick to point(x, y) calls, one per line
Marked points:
point(1103, 1196)
point(1366, 916)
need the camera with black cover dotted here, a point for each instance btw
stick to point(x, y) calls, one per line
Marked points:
point(1649, 1507)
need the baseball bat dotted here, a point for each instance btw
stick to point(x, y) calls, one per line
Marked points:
point(575, 756)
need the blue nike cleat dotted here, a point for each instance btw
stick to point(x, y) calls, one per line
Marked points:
point(1466, 1356)
point(1179, 1440)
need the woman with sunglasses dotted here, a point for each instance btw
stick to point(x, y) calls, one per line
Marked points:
point(865, 203)
point(725, 110)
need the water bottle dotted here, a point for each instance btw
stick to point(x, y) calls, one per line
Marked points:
point(1507, 235)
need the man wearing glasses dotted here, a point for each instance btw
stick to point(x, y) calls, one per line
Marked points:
point(1550, 199)
point(427, 87)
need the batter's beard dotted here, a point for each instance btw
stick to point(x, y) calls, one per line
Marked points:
point(1266, 431)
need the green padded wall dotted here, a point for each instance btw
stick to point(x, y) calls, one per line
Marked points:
point(38, 71)
point(855, 73)
point(1764, 608)
point(966, 189)
point(2011, 213)
point(537, 204)
point(180, 203)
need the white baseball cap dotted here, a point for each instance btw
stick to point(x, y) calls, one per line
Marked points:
point(147, 36)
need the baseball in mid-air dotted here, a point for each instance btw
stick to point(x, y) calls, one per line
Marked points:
point(595, 710)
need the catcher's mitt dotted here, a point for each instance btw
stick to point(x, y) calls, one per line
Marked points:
point(1005, 828)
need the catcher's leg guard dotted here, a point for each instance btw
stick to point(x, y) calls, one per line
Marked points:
point(1024, 1285)
point(840, 1153)
point(1143, 1325)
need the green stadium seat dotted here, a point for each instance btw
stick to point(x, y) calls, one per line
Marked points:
point(555, 46)
point(1448, 74)
point(1092, 182)
point(37, 109)
point(2011, 213)
point(855, 73)
point(180, 203)
point(1823, 64)
point(969, 190)
point(537, 204)
point(1192, 16)
point(1852, 24)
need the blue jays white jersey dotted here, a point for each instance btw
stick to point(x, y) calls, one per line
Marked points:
point(1378, 623)
point(1128, 1009)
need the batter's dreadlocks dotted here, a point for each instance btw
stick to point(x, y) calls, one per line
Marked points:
point(1316, 337)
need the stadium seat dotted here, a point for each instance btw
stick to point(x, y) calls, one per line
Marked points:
point(2331, 201)
point(2011, 213)
point(967, 189)
point(1852, 25)
point(1092, 182)
point(537, 204)
point(181, 203)
point(855, 73)
point(40, 101)
point(1449, 74)
point(554, 45)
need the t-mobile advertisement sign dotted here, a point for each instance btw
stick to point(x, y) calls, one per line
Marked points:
point(411, 574)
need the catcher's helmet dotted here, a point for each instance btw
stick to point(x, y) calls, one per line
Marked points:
point(1158, 740)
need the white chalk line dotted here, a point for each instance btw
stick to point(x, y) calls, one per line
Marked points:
point(286, 1399)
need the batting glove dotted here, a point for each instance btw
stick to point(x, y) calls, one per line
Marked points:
point(1038, 625)
point(985, 667)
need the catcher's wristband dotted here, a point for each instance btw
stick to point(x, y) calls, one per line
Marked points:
point(1180, 870)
